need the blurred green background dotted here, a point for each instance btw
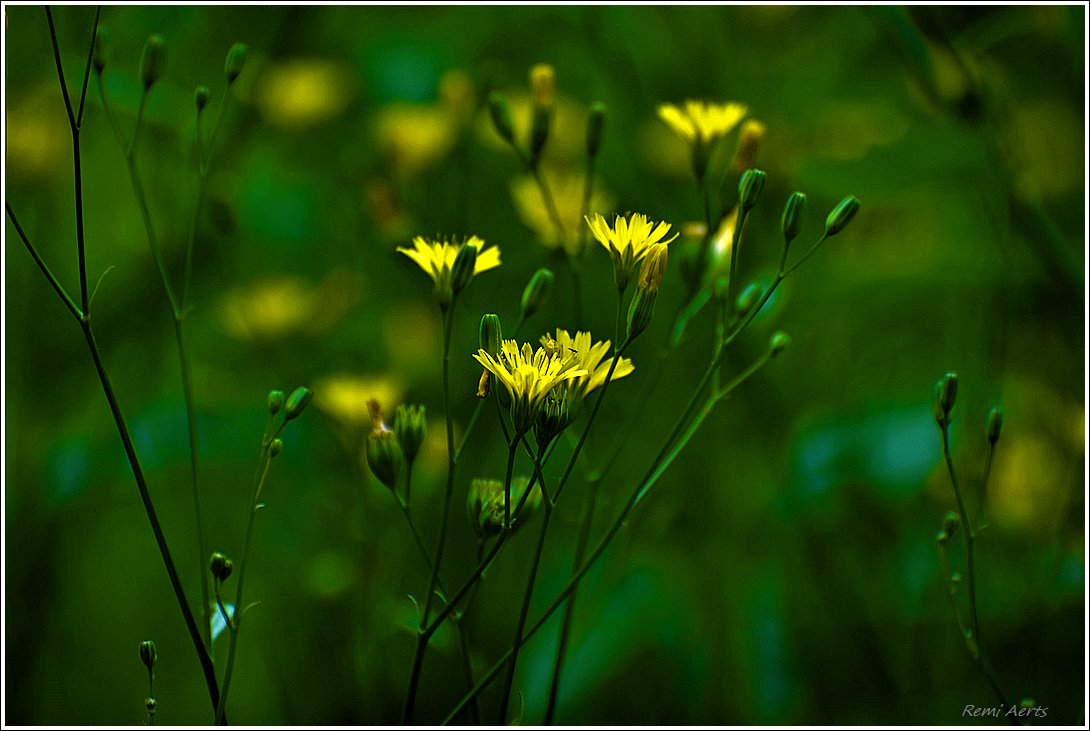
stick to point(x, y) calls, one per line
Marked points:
point(785, 569)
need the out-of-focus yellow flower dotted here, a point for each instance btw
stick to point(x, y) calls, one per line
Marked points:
point(591, 358)
point(567, 127)
point(436, 258)
point(278, 306)
point(529, 376)
point(456, 94)
point(415, 136)
point(543, 85)
point(749, 141)
point(567, 191)
point(698, 120)
point(345, 397)
point(37, 139)
point(1031, 486)
point(722, 241)
point(628, 241)
point(304, 92)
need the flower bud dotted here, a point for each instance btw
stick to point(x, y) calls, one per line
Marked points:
point(753, 132)
point(543, 85)
point(955, 579)
point(501, 116)
point(950, 523)
point(653, 268)
point(595, 124)
point(942, 538)
point(276, 446)
point(937, 412)
point(103, 47)
point(747, 299)
point(150, 705)
point(486, 505)
point(153, 60)
point(778, 342)
point(553, 417)
point(749, 188)
point(462, 271)
point(236, 59)
point(200, 97)
point(641, 311)
point(841, 216)
point(220, 566)
point(276, 401)
point(411, 428)
point(948, 392)
point(993, 425)
point(384, 456)
point(298, 401)
point(148, 654)
point(490, 334)
point(537, 291)
point(791, 222)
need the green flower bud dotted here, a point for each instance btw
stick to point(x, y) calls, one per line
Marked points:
point(103, 47)
point(384, 456)
point(950, 523)
point(791, 222)
point(778, 342)
point(553, 417)
point(220, 566)
point(993, 425)
point(236, 59)
point(148, 654)
point(276, 446)
point(486, 506)
point(298, 401)
point(276, 401)
point(948, 392)
point(942, 538)
point(462, 271)
point(411, 428)
point(537, 291)
point(937, 412)
point(596, 123)
point(1027, 704)
point(641, 311)
point(200, 97)
point(501, 116)
point(748, 299)
point(841, 216)
point(153, 60)
point(750, 187)
point(490, 336)
point(539, 132)
point(150, 705)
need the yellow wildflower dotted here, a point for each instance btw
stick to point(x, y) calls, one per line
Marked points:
point(529, 376)
point(701, 121)
point(591, 359)
point(628, 241)
point(567, 191)
point(437, 258)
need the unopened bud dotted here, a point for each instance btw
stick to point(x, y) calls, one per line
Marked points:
point(942, 538)
point(150, 705)
point(220, 566)
point(778, 342)
point(791, 223)
point(236, 59)
point(462, 271)
point(749, 188)
point(596, 123)
point(955, 579)
point(950, 523)
point(841, 216)
point(411, 428)
point(993, 425)
point(298, 401)
point(501, 116)
point(653, 268)
point(753, 132)
point(948, 392)
point(641, 311)
point(490, 334)
point(537, 291)
point(384, 457)
point(276, 401)
point(276, 446)
point(747, 299)
point(148, 654)
point(153, 60)
point(103, 47)
point(543, 85)
point(200, 97)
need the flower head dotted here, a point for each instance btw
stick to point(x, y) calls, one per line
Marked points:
point(628, 241)
point(702, 121)
point(437, 259)
point(591, 358)
point(529, 376)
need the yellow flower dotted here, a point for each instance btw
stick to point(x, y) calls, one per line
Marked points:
point(415, 136)
point(702, 121)
point(567, 191)
point(628, 241)
point(436, 258)
point(591, 358)
point(529, 376)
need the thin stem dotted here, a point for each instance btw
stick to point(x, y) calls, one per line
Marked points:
point(110, 117)
point(57, 286)
point(60, 69)
point(520, 626)
point(547, 196)
point(255, 506)
point(87, 68)
point(512, 449)
point(804, 257)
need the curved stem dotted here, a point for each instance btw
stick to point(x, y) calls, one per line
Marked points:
point(53, 281)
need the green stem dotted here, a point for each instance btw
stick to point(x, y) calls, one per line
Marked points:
point(53, 281)
point(236, 625)
point(520, 626)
